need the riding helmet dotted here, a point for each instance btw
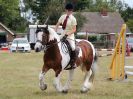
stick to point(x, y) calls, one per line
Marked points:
point(69, 6)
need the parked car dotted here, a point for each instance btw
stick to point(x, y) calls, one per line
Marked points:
point(20, 44)
point(130, 43)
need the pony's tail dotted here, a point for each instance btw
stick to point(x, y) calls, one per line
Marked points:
point(94, 68)
point(94, 65)
point(96, 57)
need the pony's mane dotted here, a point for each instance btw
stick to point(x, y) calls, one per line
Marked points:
point(53, 35)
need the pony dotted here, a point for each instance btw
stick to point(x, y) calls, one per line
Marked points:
point(57, 57)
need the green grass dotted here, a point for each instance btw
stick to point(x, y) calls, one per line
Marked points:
point(19, 80)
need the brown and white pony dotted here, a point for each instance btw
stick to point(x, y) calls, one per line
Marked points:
point(57, 59)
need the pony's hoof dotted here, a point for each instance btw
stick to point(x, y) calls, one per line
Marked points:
point(65, 91)
point(43, 87)
point(84, 91)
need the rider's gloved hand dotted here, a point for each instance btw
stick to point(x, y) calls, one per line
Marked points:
point(64, 37)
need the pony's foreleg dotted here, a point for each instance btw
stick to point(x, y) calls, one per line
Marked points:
point(42, 84)
point(57, 83)
point(68, 83)
point(87, 84)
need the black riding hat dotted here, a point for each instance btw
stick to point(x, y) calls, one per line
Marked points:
point(69, 6)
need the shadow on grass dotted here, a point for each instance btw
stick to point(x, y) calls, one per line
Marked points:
point(55, 93)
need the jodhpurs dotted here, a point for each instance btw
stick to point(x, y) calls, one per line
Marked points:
point(72, 43)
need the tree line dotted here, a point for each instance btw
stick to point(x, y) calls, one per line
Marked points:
point(16, 14)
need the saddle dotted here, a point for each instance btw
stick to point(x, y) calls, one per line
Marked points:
point(68, 47)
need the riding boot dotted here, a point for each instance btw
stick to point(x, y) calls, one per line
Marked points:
point(73, 59)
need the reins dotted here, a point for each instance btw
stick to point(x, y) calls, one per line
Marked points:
point(47, 46)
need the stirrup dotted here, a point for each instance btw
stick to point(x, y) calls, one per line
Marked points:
point(73, 65)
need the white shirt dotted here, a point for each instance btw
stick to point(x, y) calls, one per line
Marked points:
point(71, 22)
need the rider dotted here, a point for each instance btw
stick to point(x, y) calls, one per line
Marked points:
point(68, 22)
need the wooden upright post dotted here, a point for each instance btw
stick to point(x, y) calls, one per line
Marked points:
point(118, 59)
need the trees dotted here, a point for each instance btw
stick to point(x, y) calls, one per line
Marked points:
point(130, 24)
point(8, 10)
point(127, 15)
point(10, 14)
point(94, 5)
point(41, 9)
point(54, 9)
point(80, 20)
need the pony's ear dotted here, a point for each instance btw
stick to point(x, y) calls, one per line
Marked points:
point(47, 27)
point(37, 27)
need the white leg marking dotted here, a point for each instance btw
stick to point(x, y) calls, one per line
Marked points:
point(87, 85)
point(42, 85)
point(70, 78)
point(57, 84)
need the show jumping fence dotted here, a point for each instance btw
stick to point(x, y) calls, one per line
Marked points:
point(128, 70)
point(118, 70)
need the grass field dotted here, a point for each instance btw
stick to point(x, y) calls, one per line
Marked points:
point(19, 80)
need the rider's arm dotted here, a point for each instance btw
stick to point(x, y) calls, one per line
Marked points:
point(58, 23)
point(56, 26)
point(72, 31)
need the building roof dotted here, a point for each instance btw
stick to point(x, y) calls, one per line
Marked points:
point(6, 29)
point(1, 31)
point(96, 23)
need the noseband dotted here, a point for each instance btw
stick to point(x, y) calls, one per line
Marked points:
point(39, 41)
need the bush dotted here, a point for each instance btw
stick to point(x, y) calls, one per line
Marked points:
point(80, 20)
point(92, 38)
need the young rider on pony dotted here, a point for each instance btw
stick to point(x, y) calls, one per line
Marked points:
point(69, 23)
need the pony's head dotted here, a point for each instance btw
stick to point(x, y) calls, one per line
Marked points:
point(38, 46)
point(45, 35)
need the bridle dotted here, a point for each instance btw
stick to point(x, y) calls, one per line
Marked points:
point(47, 45)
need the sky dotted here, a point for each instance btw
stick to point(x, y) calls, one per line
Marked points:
point(129, 2)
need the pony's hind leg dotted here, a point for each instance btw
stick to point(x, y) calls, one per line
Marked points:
point(70, 78)
point(87, 81)
point(42, 84)
point(57, 83)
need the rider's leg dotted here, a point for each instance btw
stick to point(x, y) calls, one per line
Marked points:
point(73, 54)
